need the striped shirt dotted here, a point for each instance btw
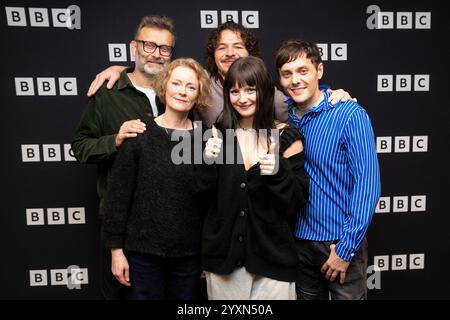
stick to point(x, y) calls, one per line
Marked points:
point(342, 163)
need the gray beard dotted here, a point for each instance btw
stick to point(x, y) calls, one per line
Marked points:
point(145, 69)
point(151, 71)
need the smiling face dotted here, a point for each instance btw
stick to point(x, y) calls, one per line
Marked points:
point(300, 80)
point(182, 89)
point(243, 99)
point(152, 63)
point(230, 47)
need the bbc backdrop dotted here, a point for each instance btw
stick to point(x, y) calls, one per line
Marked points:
point(390, 55)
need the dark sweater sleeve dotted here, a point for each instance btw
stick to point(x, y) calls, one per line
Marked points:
point(122, 183)
point(288, 136)
point(89, 144)
point(301, 181)
point(289, 186)
point(205, 177)
point(296, 164)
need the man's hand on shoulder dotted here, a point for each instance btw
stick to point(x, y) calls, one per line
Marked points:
point(129, 129)
point(112, 74)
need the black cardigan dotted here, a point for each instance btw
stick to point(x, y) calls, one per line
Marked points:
point(251, 217)
point(151, 205)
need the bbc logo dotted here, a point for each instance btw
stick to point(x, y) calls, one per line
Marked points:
point(46, 86)
point(69, 17)
point(118, 52)
point(402, 204)
point(399, 262)
point(50, 153)
point(210, 18)
point(55, 216)
point(403, 82)
point(338, 51)
point(385, 19)
point(402, 144)
point(70, 277)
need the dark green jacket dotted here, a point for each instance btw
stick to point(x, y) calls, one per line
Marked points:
point(94, 139)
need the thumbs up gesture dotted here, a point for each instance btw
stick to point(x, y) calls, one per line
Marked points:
point(267, 163)
point(213, 145)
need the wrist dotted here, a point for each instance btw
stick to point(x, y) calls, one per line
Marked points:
point(117, 252)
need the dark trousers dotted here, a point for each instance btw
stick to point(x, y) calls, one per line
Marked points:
point(159, 278)
point(311, 283)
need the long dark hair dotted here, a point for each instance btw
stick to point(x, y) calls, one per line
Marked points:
point(250, 71)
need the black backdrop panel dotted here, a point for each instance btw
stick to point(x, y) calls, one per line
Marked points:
point(394, 65)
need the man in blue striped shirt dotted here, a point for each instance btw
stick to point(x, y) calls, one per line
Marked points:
point(342, 163)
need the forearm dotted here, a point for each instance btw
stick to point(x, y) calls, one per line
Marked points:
point(280, 187)
point(301, 179)
point(121, 188)
point(362, 206)
point(93, 150)
point(363, 201)
point(363, 165)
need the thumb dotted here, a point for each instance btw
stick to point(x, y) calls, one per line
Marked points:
point(214, 132)
point(332, 247)
point(272, 147)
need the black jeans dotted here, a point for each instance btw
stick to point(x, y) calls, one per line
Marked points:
point(311, 283)
point(158, 278)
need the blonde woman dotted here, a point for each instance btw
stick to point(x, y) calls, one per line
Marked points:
point(152, 224)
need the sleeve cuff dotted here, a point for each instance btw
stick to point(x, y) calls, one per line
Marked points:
point(114, 241)
point(282, 170)
point(110, 143)
point(344, 253)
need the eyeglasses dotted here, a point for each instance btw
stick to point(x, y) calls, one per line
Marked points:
point(150, 47)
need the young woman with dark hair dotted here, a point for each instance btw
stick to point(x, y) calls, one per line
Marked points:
point(248, 249)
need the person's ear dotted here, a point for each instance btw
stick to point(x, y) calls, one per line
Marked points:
point(133, 45)
point(320, 71)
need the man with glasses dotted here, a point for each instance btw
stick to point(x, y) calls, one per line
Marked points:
point(111, 116)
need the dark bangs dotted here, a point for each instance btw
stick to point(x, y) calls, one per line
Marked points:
point(249, 71)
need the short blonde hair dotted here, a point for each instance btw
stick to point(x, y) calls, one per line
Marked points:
point(204, 92)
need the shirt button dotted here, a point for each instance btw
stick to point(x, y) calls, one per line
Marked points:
point(243, 185)
point(241, 238)
point(242, 213)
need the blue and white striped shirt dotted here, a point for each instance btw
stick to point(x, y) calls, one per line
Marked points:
point(342, 163)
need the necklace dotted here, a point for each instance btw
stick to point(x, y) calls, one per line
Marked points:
point(244, 128)
point(164, 124)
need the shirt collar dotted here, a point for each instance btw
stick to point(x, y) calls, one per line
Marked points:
point(323, 104)
point(219, 79)
point(124, 80)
